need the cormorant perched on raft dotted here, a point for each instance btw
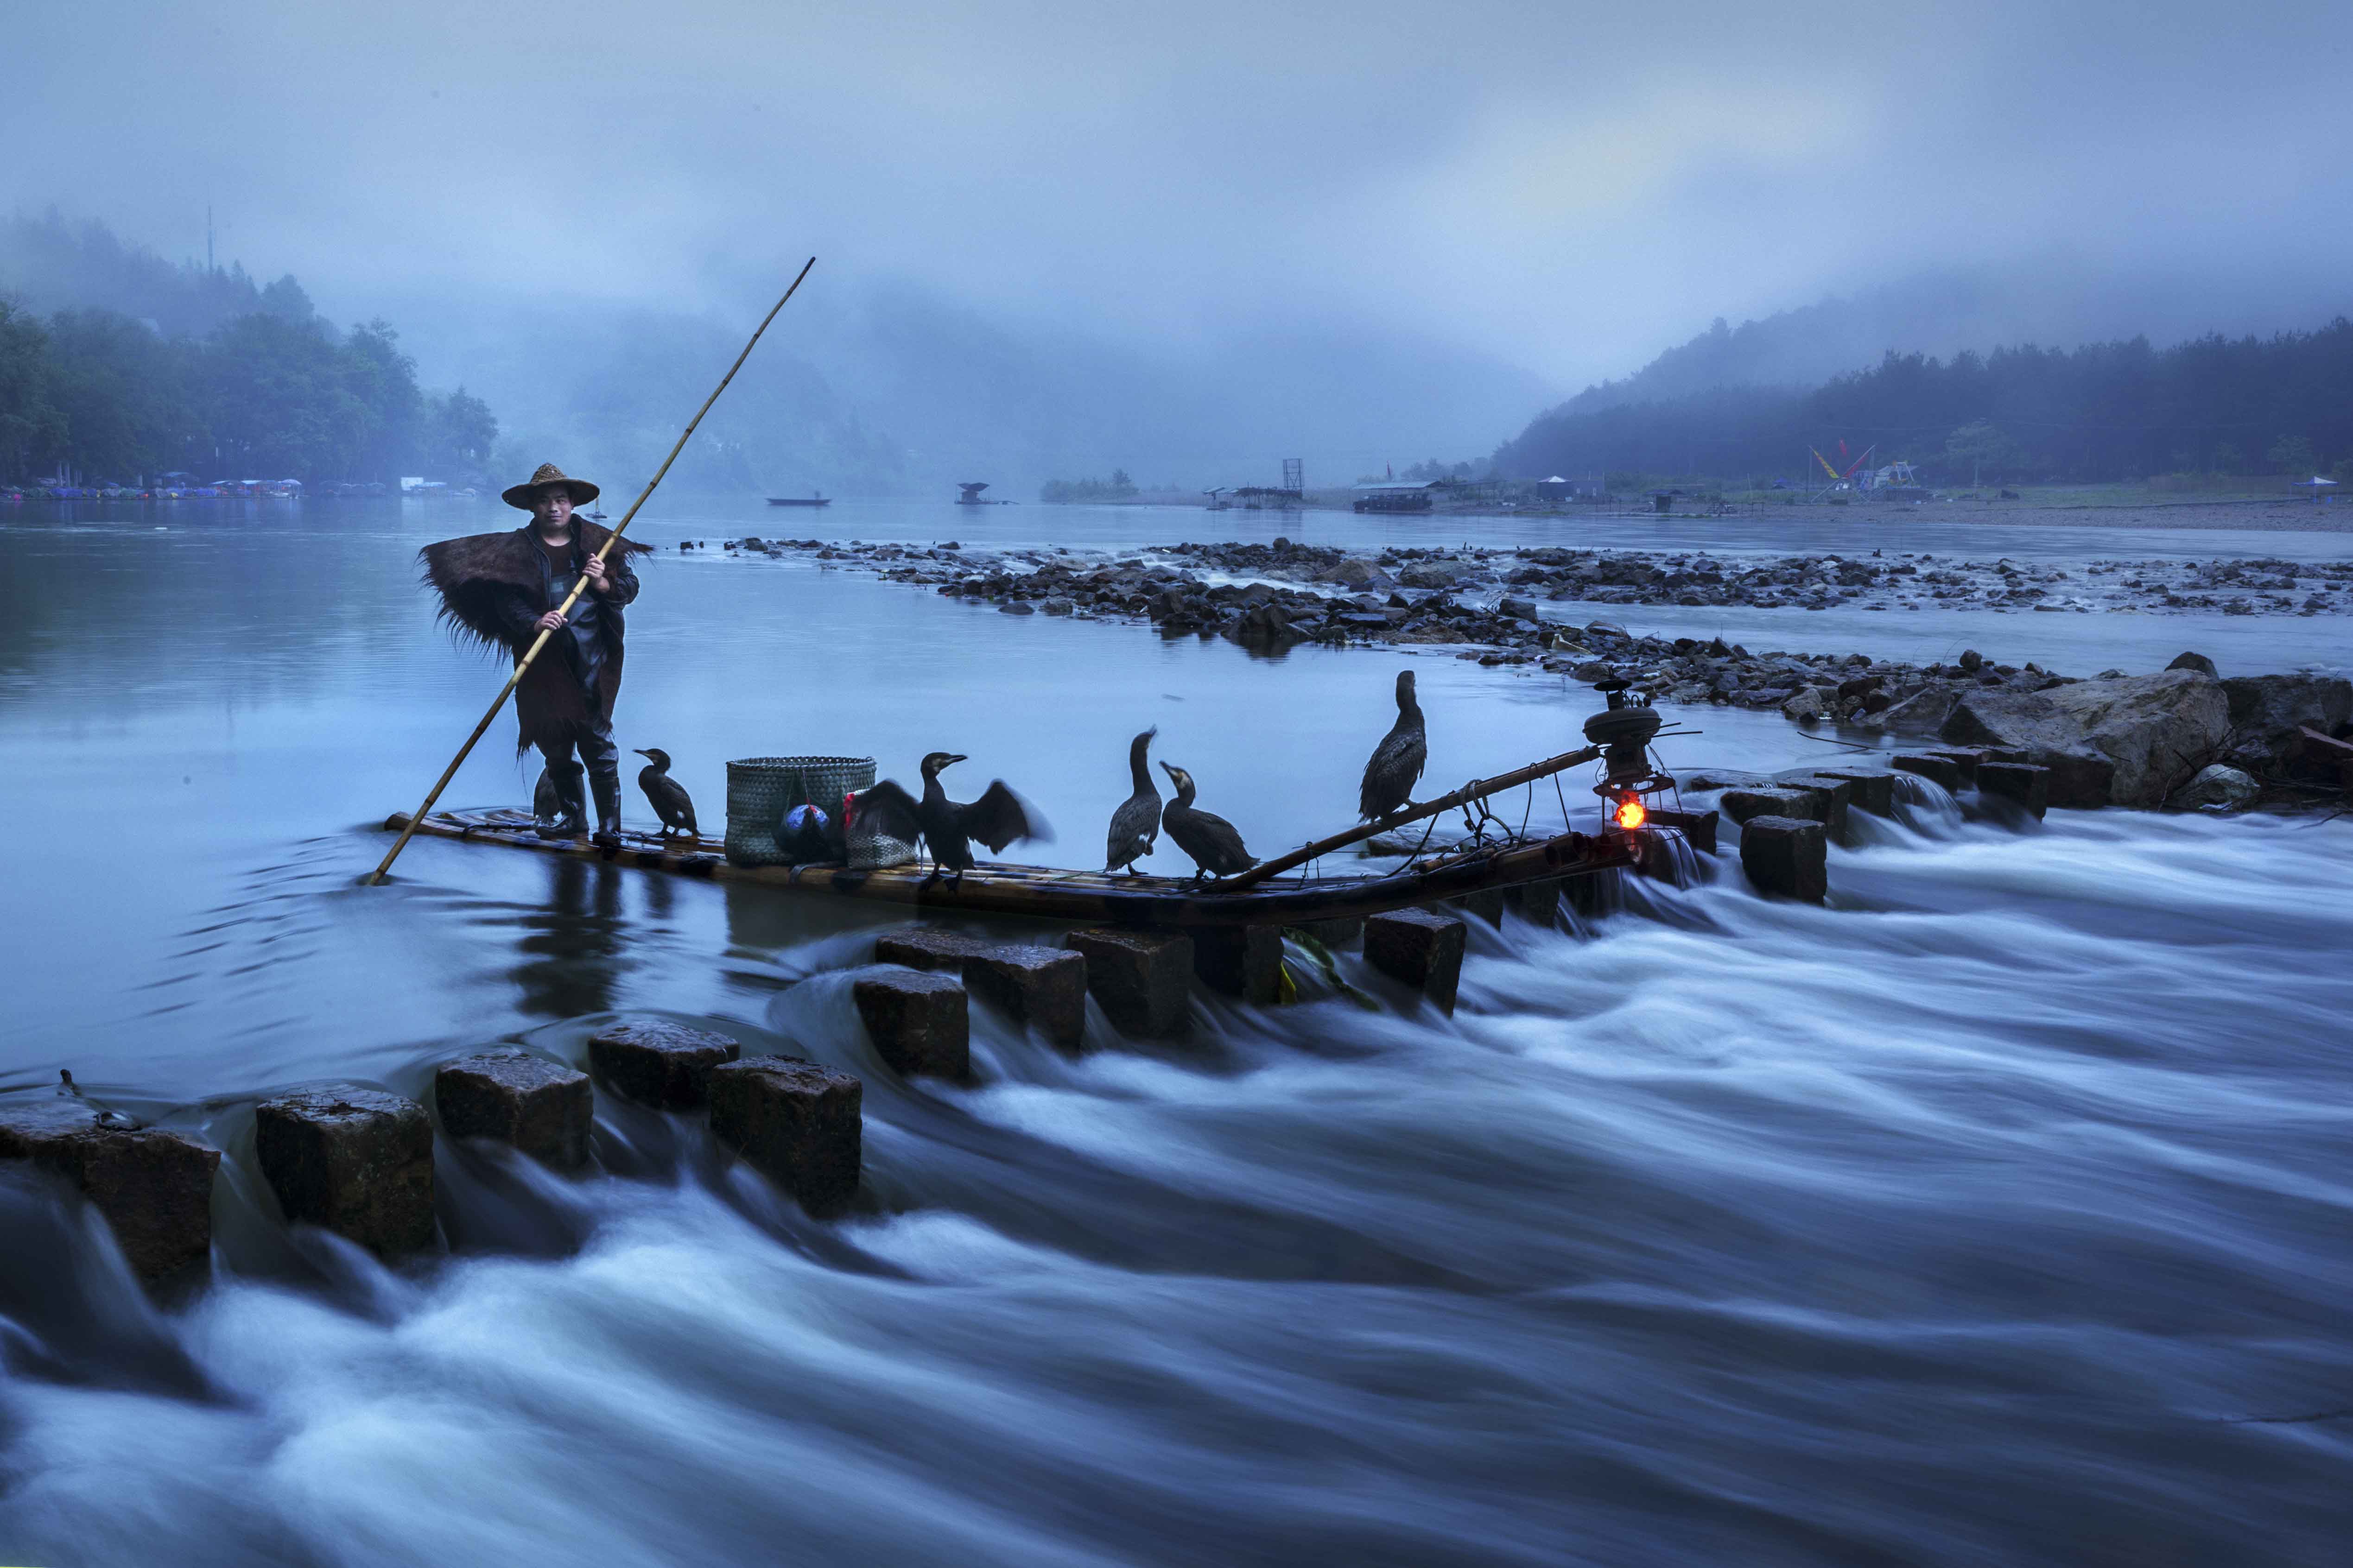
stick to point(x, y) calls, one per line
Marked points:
point(1397, 762)
point(1136, 826)
point(1215, 849)
point(997, 819)
point(668, 797)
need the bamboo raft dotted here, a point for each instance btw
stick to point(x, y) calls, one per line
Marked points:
point(1144, 900)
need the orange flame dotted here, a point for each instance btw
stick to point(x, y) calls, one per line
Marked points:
point(1629, 813)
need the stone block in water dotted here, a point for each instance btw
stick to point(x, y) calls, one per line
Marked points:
point(1045, 987)
point(1143, 980)
point(1827, 800)
point(1786, 855)
point(1966, 761)
point(1937, 769)
point(1538, 903)
point(796, 1122)
point(1875, 788)
point(927, 947)
point(1418, 949)
point(1241, 960)
point(155, 1187)
point(1343, 931)
point(654, 1062)
point(920, 1021)
point(1487, 903)
point(2021, 784)
point(1745, 804)
point(357, 1162)
point(1698, 826)
point(542, 1108)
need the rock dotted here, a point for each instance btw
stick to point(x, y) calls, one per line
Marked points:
point(2196, 661)
point(1045, 987)
point(1522, 609)
point(1936, 767)
point(1971, 661)
point(927, 947)
point(1354, 572)
point(2217, 789)
point(1806, 705)
point(2269, 712)
point(357, 1162)
point(1241, 960)
point(2021, 784)
point(1608, 629)
point(796, 1122)
point(1923, 713)
point(539, 1107)
point(1056, 607)
point(920, 1021)
point(1142, 979)
point(155, 1187)
point(1743, 806)
point(1016, 607)
point(658, 1063)
point(1418, 949)
point(2155, 728)
point(1785, 857)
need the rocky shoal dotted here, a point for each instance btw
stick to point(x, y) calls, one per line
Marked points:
point(2113, 739)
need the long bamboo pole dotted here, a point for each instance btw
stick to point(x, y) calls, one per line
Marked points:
point(1472, 791)
point(523, 664)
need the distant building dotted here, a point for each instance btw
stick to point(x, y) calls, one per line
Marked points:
point(1396, 495)
point(1556, 489)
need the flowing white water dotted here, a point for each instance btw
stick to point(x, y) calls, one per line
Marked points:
point(1994, 1213)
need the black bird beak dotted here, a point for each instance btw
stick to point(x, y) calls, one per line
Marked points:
point(955, 757)
point(641, 751)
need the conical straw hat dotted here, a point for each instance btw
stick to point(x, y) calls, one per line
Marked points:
point(581, 490)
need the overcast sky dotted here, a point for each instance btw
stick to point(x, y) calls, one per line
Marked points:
point(1565, 187)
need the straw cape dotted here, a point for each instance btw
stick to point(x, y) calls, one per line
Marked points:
point(492, 586)
point(520, 496)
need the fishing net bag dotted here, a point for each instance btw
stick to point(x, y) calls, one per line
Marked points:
point(760, 790)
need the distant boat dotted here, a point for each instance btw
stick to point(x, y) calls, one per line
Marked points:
point(810, 499)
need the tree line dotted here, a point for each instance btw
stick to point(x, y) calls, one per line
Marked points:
point(134, 367)
point(261, 397)
point(2103, 412)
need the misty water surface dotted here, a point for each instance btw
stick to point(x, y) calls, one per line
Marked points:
point(1995, 1212)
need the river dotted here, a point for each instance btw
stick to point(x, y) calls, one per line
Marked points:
point(1996, 1213)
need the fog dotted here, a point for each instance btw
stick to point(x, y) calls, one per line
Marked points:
point(1190, 241)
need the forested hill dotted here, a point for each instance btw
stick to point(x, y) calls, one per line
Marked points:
point(120, 365)
point(2104, 411)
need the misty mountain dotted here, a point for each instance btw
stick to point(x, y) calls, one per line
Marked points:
point(876, 386)
point(1946, 311)
point(2115, 410)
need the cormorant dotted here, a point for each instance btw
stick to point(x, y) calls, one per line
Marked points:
point(1397, 762)
point(1209, 839)
point(668, 797)
point(947, 827)
point(812, 835)
point(1136, 826)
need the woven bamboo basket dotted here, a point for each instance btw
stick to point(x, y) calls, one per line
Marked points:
point(760, 790)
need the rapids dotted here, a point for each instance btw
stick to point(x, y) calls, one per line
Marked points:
point(1996, 1213)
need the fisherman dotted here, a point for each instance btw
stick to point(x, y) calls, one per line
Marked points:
point(504, 589)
